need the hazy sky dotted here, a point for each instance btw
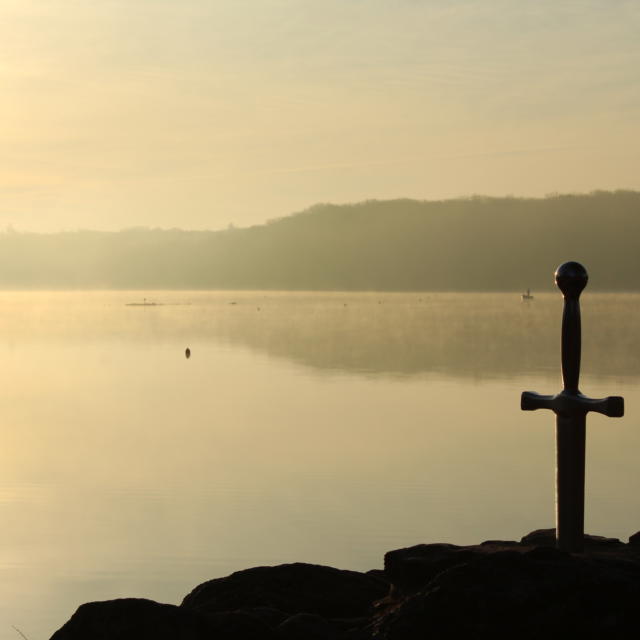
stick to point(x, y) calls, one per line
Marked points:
point(201, 113)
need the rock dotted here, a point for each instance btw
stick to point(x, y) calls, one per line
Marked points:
point(409, 569)
point(540, 538)
point(271, 617)
point(237, 625)
point(635, 539)
point(139, 619)
point(499, 543)
point(525, 592)
point(306, 626)
point(133, 619)
point(293, 588)
point(352, 628)
point(600, 541)
point(547, 538)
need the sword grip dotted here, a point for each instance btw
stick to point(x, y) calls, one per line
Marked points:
point(571, 344)
point(571, 278)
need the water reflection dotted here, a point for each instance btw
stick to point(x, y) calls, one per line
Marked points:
point(462, 335)
point(476, 335)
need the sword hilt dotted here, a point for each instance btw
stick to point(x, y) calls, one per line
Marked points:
point(571, 278)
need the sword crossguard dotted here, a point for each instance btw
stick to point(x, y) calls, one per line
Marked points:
point(572, 404)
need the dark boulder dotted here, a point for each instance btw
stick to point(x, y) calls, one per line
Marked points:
point(238, 625)
point(517, 591)
point(269, 616)
point(306, 626)
point(411, 568)
point(293, 588)
point(139, 619)
point(547, 538)
point(133, 619)
point(540, 538)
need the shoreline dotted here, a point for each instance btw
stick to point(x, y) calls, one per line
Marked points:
point(498, 587)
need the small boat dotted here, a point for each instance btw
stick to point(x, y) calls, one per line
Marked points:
point(526, 296)
point(144, 303)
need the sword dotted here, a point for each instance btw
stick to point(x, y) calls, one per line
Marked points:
point(571, 408)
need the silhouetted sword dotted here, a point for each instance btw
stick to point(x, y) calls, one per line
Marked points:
point(571, 408)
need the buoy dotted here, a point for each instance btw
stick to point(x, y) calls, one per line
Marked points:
point(187, 353)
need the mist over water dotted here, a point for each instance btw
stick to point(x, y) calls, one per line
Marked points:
point(312, 427)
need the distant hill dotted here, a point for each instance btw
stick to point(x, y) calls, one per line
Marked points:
point(467, 244)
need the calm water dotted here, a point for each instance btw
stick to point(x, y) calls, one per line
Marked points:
point(324, 428)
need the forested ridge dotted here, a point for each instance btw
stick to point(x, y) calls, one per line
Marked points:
point(466, 244)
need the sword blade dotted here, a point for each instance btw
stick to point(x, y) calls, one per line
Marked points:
point(570, 457)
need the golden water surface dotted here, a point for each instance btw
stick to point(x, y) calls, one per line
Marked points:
point(316, 427)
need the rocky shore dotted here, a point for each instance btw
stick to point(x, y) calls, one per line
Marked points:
point(496, 589)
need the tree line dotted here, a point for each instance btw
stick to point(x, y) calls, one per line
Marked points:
point(464, 244)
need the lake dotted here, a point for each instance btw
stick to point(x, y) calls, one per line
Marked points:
point(316, 427)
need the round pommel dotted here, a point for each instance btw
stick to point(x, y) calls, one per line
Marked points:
point(571, 278)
